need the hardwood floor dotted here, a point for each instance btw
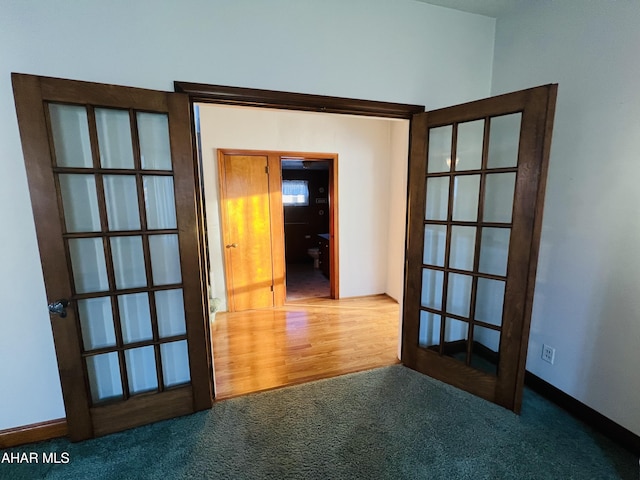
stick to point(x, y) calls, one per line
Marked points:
point(304, 340)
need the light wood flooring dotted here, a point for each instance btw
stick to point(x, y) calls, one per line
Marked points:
point(304, 340)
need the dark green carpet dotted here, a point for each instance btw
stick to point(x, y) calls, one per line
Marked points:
point(386, 423)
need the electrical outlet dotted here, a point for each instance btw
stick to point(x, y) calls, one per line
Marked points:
point(548, 353)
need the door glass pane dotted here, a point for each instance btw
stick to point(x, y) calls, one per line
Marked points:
point(121, 197)
point(128, 262)
point(141, 369)
point(459, 294)
point(486, 348)
point(88, 265)
point(429, 331)
point(489, 301)
point(469, 146)
point(435, 239)
point(96, 323)
point(165, 259)
point(70, 129)
point(153, 131)
point(439, 156)
point(170, 312)
point(175, 363)
point(463, 244)
point(104, 377)
point(456, 333)
point(504, 139)
point(80, 203)
point(498, 197)
point(135, 317)
point(494, 251)
point(432, 288)
point(437, 202)
point(465, 198)
point(114, 138)
point(159, 202)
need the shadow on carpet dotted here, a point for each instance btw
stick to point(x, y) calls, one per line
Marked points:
point(388, 423)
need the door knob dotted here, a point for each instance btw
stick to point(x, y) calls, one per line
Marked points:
point(59, 307)
point(232, 245)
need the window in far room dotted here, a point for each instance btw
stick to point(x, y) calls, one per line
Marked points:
point(295, 193)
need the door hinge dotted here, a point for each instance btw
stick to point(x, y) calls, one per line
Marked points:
point(272, 287)
point(266, 169)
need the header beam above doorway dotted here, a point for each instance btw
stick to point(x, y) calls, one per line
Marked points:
point(253, 97)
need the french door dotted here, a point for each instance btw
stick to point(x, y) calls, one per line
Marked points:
point(476, 190)
point(111, 178)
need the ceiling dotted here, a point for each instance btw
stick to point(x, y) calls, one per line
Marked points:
point(489, 8)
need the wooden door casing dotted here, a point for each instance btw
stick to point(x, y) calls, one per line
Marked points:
point(537, 106)
point(85, 420)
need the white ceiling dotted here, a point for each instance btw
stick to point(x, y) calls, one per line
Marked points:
point(489, 8)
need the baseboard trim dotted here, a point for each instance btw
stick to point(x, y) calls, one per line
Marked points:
point(36, 432)
point(582, 412)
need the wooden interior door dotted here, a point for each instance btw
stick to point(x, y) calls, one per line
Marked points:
point(111, 178)
point(476, 190)
point(253, 230)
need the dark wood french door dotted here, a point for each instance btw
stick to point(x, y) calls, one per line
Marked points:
point(111, 177)
point(476, 191)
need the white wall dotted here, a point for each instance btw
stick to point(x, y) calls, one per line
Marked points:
point(391, 50)
point(364, 147)
point(586, 305)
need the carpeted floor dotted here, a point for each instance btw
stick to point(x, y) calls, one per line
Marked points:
point(388, 423)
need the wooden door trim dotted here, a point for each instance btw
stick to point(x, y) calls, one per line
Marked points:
point(277, 221)
point(254, 97)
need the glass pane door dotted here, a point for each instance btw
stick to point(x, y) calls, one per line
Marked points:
point(118, 204)
point(468, 205)
point(476, 187)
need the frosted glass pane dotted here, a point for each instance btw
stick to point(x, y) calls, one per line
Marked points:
point(175, 363)
point(153, 131)
point(165, 259)
point(88, 265)
point(70, 130)
point(121, 197)
point(463, 244)
point(159, 202)
point(104, 377)
point(504, 139)
point(432, 281)
point(135, 317)
point(141, 369)
point(170, 313)
point(455, 330)
point(128, 262)
point(469, 146)
point(435, 239)
point(439, 156)
point(96, 323)
point(498, 197)
point(466, 189)
point(437, 201)
point(494, 250)
point(80, 203)
point(114, 138)
point(489, 301)
point(487, 337)
point(429, 330)
point(459, 294)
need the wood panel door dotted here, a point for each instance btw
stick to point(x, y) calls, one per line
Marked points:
point(253, 224)
point(111, 178)
point(476, 190)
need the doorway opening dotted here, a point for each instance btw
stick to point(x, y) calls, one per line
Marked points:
point(307, 238)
